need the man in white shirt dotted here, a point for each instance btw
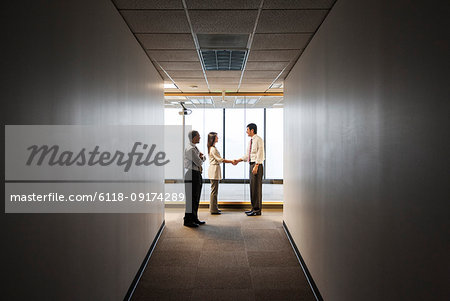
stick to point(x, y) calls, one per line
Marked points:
point(255, 156)
point(193, 161)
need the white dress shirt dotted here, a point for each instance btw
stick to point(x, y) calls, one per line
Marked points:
point(257, 151)
point(192, 158)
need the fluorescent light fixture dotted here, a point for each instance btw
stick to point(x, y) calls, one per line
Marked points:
point(170, 86)
point(277, 104)
point(201, 101)
point(248, 101)
point(277, 86)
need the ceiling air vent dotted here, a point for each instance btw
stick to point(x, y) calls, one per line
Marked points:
point(223, 51)
point(223, 59)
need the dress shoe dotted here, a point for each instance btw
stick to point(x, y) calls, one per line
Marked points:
point(190, 224)
point(216, 213)
point(248, 211)
point(219, 211)
point(254, 213)
point(198, 222)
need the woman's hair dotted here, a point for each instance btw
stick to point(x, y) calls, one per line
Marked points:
point(211, 139)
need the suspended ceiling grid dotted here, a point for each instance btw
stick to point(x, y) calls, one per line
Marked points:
point(278, 32)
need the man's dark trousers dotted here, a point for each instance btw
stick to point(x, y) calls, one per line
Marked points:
point(193, 188)
point(256, 187)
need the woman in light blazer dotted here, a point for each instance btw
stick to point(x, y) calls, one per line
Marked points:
point(214, 172)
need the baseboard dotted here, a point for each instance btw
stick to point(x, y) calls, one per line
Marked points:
point(144, 264)
point(303, 265)
point(230, 205)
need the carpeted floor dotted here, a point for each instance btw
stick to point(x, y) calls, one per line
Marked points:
point(232, 257)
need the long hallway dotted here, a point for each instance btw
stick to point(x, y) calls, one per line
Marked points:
point(350, 99)
point(231, 257)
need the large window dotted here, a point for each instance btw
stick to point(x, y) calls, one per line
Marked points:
point(270, 128)
point(205, 121)
point(236, 142)
point(235, 139)
point(274, 143)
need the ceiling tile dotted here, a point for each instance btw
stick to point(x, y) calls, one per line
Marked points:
point(221, 87)
point(186, 74)
point(265, 66)
point(163, 75)
point(288, 69)
point(223, 74)
point(157, 21)
point(261, 74)
point(253, 88)
point(281, 41)
point(222, 41)
point(223, 80)
point(148, 4)
point(297, 4)
point(288, 21)
point(173, 55)
point(166, 41)
point(262, 81)
point(273, 55)
point(181, 65)
point(189, 81)
point(185, 87)
point(220, 4)
point(222, 21)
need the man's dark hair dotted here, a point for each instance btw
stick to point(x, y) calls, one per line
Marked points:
point(192, 134)
point(253, 127)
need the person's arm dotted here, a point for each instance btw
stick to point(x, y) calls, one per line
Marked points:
point(216, 155)
point(202, 157)
point(260, 152)
point(195, 157)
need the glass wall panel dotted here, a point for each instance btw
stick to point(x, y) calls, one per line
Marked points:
point(171, 117)
point(205, 121)
point(274, 143)
point(237, 140)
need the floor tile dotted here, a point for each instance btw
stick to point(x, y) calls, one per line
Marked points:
point(223, 295)
point(220, 259)
point(223, 277)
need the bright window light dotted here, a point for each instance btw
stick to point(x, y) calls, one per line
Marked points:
point(170, 86)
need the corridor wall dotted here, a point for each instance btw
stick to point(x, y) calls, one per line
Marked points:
point(366, 165)
point(75, 63)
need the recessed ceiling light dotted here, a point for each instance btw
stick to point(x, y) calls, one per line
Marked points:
point(207, 101)
point(277, 86)
point(249, 101)
point(170, 86)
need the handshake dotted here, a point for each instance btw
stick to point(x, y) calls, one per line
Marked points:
point(235, 162)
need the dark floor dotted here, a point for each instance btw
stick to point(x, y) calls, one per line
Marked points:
point(232, 257)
